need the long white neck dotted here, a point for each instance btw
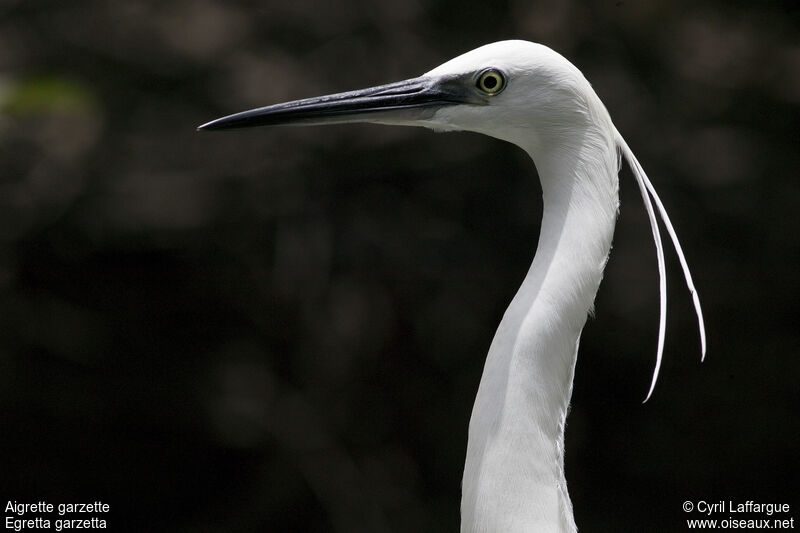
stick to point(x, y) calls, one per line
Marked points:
point(514, 473)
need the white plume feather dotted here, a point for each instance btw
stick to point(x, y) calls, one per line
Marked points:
point(647, 190)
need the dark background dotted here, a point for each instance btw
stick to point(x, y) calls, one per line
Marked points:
point(284, 329)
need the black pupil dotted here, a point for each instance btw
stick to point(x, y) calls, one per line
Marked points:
point(490, 81)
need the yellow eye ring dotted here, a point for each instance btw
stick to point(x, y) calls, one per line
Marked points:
point(491, 82)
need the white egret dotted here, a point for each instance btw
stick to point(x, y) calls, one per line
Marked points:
point(529, 95)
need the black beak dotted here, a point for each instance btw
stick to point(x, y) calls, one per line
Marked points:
point(404, 102)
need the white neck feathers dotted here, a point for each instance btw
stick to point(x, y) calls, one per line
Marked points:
point(514, 478)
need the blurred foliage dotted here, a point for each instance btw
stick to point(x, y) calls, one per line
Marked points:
point(44, 95)
point(283, 330)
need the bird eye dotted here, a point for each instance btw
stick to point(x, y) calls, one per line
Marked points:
point(491, 82)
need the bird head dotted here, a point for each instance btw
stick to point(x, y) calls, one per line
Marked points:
point(517, 91)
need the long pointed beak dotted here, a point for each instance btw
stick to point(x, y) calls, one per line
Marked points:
point(404, 102)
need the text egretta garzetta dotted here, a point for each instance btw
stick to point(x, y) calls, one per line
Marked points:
point(531, 96)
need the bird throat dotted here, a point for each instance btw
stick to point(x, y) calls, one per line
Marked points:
point(514, 474)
